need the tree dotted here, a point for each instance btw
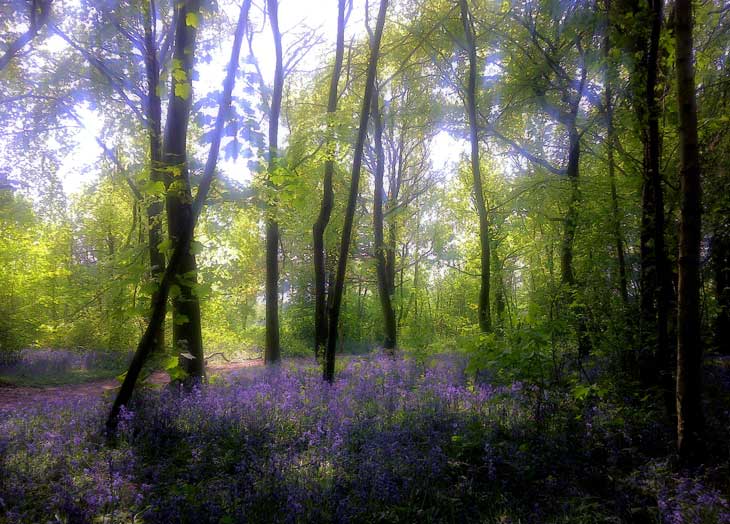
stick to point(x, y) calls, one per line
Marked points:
point(181, 250)
point(272, 352)
point(325, 210)
point(384, 289)
point(609, 79)
point(655, 277)
point(689, 343)
point(187, 335)
point(485, 318)
point(334, 314)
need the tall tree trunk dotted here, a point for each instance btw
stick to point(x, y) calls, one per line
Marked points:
point(334, 316)
point(570, 227)
point(154, 121)
point(328, 197)
point(389, 324)
point(187, 336)
point(272, 351)
point(654, 356)
point(570, 221)
point(689, 345)
point(610, 145)
point(485, 319)
point(182, 247)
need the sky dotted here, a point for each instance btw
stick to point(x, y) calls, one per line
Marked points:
point(81, 165)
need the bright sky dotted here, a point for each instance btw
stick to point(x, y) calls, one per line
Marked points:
point(81, 165)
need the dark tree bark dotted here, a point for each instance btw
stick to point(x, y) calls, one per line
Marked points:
point(328, 197)
point(654, 351)
point(187, 335)
point(147, 342)
point(689, 345)
point(389, 324)
point(272, 352)
point(484, 314)
point(610, 145)
point(39, 12)
point(153, 113)
point(334, 314)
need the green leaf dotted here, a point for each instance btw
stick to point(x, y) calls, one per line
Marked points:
point(165, 246)
point(182, 89)
point(179, 75)
point(196, 247)
point(192, 20)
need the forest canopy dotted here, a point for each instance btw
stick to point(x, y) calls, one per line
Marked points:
point(537, 187)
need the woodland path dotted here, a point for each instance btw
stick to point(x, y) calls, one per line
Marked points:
point(17, 397)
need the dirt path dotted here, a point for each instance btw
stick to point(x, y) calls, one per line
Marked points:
point(14, 397)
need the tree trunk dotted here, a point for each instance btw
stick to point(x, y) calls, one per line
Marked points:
point(154, 122)
point(570, 226)
point(485, 320)
point(689, 345)
point(272, 352)
point(389, 324)
point(325, 210)
point(654, 357)
point(610, 145)
point(187, 336)
point(334, 317)
point(182, 247)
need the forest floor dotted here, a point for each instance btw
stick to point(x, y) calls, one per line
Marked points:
point(13, 397)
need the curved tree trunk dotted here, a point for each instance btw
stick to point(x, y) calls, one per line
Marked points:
point(328, 197)
point(147, 342)
point(689, 344)
point(272, 352)
point(484, 315)
point(334, 316)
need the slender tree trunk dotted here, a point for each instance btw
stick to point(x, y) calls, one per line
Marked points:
point(389, 324)
point(272, 352)
point(154, 122)
point(689, 345)
point(655, 356)
point(334, 317)
point(328, 197)
point(182, 247)
point(484, 315)
point(570, 227)
point(570, 221)
point(610, 145)
point(187, 336)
